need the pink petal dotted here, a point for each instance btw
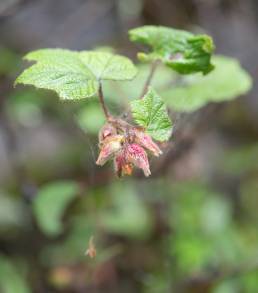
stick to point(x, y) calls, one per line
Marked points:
point(136, 155)
point(106, 131)
point(121, 166)
point(146, 141)
point(111, 145)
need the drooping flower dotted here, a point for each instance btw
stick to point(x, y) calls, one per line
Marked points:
point(145, 140)
point(137, 156)
point(125, 144)
point(110, 146)
point(131, 155)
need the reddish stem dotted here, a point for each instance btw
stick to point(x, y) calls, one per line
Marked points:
point(153, 68)
point(102, 102)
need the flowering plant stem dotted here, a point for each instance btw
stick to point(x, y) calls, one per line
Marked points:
point(153, 68)
point(102, 102)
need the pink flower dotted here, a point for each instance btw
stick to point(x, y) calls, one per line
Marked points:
point(126, 145)
point(146, 141)
point(106, 131)
point(122, 167)
point(110, 146)
point(131, 155)
point(137, 156)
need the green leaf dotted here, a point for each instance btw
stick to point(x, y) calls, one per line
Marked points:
point(182, 51)
point(72, 248)
point(50, 204)
point(151, 113)
point(74, 75)
point(226, 82)
point(128, 215)
point(11, 279)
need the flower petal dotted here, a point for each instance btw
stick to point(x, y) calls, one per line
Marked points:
point(136, 155)
point(106, 131)
point(110, 146)
point(121, 166)
point(146, 141)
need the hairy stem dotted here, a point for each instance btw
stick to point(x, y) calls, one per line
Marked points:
point(102, 102)
point(153, 68)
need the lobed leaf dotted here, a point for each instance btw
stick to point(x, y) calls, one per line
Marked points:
point(150, 112)
point(50, 203)
point(226, 82)
point(74, 75)
point(182, 51)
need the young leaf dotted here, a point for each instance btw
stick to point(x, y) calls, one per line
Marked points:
point(226, 82)
point(182, 51)
point(151, 113)
point(74, 75)
point(50, 203)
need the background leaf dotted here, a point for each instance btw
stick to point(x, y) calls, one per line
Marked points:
point(130, 90)
point(128, 216)
point(13, 214)
point(8, 61)
point(50, 204)
point(226, 82)
point(74, 75)
point(11, 280)
point(86, 118)
point(151, 113)
point(182, 51)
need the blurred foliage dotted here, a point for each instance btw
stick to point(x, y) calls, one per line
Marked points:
point(86, 118)
point(227, 81)
point(188, 93)
point(50, 203)
point(9, 61)
point(202, 221)
point(11, 280)
point(128, 216)
point(12, 214)
point(241, 160)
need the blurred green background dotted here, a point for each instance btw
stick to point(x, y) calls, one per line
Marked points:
point(191, 227)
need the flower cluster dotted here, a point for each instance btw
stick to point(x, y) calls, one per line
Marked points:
point(126, 145)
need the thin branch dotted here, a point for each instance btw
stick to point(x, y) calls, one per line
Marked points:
point(102, 102)
point(154, 66)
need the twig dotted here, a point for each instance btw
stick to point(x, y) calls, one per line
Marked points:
point(102, 102)
point(154, 66)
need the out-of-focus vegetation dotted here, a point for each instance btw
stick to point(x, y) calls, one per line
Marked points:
point(191, 227)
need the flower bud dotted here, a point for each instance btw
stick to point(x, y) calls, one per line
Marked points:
point(110, 146)
point(136, 155)
point(106, 131)
point(146, 141)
